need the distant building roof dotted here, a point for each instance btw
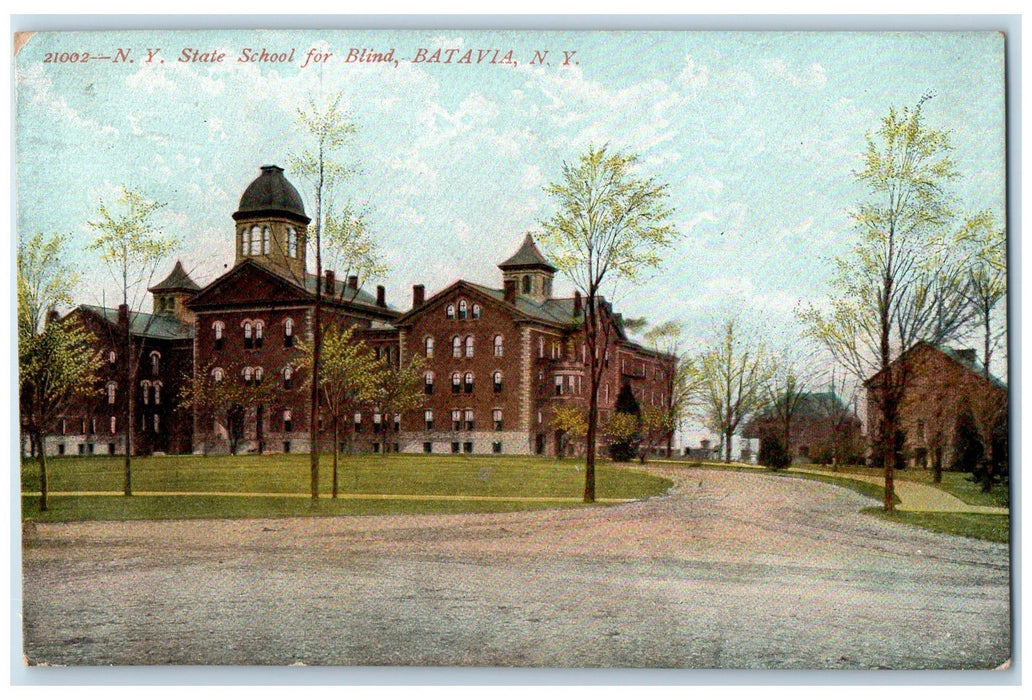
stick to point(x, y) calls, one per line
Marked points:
point(527, 257)
point(177, 280)
point(146, 325)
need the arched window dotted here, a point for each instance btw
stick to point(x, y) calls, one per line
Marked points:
point(462, 308)
point(145, 386)
point(256, 239)
point(469, 346)
point(288, 378)
point(428, 418)
point(157, 393)
point(288, 333)
point(248, 375)
point(428, 346)
point(456, 383)
point(218, 327)
point(111, 388)
point(449, 311)
point(476, 311)
point(155, 363)
point(243, 241)
point(217, 374)
point(526, 284)
point(248, 335)
point(265, 240)
point(497, 382)
point(456, 347)
point(258, 375)
point(468, 383)
point(292, 242)
point(111, 357)
point(428, 382)
point(499, 349)
point(259, 333)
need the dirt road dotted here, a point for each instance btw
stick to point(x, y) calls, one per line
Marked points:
point(730, 570)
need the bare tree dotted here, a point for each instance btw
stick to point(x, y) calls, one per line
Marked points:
point(610, 225)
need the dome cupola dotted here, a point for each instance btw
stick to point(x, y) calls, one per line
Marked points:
point(272, 224)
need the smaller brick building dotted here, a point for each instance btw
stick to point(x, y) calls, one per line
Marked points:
point(823, 430)
point(939, 385)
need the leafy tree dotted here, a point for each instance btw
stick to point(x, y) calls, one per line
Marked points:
point(621, 431)
point(785, 392)
point(57, 361)
point(399, 390)
point(132, 246)
point(609, 225)
point(654, 426)
point(900, 283)
point(350, 377)
point(728, 381)
point(774, 451)
point(225, 401)
point(568, 420)
point(338, 231)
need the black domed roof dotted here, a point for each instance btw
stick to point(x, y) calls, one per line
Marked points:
point(271, 193)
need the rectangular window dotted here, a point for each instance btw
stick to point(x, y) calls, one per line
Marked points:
point(82, 449)
point(455, 448)
point(428, 447)
point(467, 447)
point(456, 419)
point(496, 415)
point(286, 447)
point(428, 418)
point(111, 448)
point(469, 419)
point(61, 449)
point(496, 447)
point(89, 448)
point(558, 386)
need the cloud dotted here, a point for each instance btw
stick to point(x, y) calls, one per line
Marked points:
point(813, 77)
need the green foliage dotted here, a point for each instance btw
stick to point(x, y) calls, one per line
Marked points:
point(224, 402)
point(569, 421)
point(773, 451)
point(622, 433)
point(400, 388)
point(129, 241)
point(350, 246)
point(727, 381)
point(44, 281)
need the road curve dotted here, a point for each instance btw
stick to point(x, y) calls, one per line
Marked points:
point(729, 570)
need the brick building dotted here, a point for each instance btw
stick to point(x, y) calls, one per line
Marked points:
point(498, 360)
point(822, 430)
point(939, 385)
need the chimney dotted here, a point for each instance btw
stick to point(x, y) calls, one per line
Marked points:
point(381, 295)
point(510, 291)
point(331, 282)
point(352, 281)
point(418, 295)
point(123, 315)
point(576, 302)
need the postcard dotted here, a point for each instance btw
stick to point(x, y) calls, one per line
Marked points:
point(513, 348)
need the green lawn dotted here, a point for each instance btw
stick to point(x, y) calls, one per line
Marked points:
point(955, 483)
point(522, 479)
point(995, 528)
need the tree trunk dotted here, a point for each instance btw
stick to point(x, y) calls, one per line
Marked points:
point(727, 445)
point(44, 481)
point(128, 480)
point(336, 450)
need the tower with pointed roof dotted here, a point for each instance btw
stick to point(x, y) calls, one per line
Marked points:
point(271, 224)
point(172, 293)
point(529, 272)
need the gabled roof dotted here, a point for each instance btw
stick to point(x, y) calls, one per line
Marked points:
point(551, 311)
point(159, 327)
point(340, 295)
point(527, 257)
point(177, 280)
point(971, 364)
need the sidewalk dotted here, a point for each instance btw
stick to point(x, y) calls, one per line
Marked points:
point(917, 497)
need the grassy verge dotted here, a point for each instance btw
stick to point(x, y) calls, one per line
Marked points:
point(954, 483)
point(454, 478)
point(994, 528)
